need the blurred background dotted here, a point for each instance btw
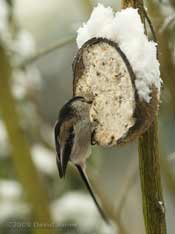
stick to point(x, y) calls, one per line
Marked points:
point(37, 47)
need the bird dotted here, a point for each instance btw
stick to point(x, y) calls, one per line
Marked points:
point(73, 141)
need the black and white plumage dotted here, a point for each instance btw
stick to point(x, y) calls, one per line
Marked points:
point(73, 140)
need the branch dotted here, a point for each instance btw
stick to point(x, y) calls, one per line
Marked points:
point(46, 51)
point(149, 160)
point(20, 150)
point(150, 25)
point(153, 204)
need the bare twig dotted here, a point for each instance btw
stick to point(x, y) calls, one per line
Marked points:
point(49, 49)
point(168, 23)
point(150, 25)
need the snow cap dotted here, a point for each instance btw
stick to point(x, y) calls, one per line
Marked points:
point(126, 29)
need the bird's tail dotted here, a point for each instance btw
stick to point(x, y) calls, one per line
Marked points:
point(89, 187)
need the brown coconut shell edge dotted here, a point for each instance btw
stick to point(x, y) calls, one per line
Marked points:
point(144, 113)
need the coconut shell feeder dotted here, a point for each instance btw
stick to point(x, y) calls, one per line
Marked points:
point(104, 76)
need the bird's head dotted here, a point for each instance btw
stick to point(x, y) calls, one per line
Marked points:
point(75, 111)
point(75, 107)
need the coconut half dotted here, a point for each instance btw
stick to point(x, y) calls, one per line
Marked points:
point(104, 76)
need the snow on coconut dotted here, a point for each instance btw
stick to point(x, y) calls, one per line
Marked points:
point(117, 69)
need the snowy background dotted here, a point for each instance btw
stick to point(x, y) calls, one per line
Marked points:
point(42, 88)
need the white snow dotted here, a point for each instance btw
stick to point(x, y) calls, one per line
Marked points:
point(20, 45)
point(3, 133)
point(26, 81)
point(126, 29)
point(23, 46)
point(171, 157)
point(44, 159)
point(13, 209)
point(3, 16)
point(4, 144)
point(10, 189)
point(11, 204)
point(79, 208)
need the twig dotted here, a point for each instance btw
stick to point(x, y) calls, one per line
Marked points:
point(150, 25)
point(46, 51)
point(168, 23)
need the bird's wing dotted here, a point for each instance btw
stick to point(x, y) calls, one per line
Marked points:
point(69, 137)
point(65, 132)
point(58, 149)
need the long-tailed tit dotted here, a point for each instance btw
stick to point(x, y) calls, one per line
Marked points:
point(73, 140)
